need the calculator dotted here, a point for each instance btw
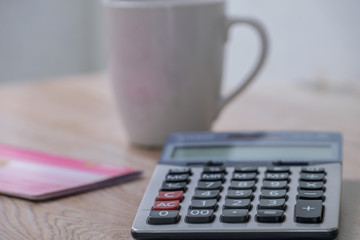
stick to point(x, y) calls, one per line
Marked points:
point(244, 185)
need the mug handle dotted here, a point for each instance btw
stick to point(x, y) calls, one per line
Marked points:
point(260, 62)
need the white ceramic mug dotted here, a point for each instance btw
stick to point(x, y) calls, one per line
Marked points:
point(166, 60)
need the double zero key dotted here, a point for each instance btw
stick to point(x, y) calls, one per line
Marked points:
point(200, 215)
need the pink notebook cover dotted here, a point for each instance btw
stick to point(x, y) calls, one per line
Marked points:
point(39, 176)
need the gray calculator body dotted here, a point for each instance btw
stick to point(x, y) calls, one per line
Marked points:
point(297, 154)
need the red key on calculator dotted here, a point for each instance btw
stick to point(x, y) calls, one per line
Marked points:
point(166, 205)
point(168, 196)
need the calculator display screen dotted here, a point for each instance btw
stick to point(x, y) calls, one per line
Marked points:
point(255, 152)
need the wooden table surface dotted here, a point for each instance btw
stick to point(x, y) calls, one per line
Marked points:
point(77, 117)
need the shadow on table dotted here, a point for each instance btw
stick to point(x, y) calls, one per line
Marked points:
point(350, 210)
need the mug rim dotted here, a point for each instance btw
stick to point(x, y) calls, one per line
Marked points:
point(157, 3)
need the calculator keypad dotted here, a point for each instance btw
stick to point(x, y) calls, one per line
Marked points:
point(237, 186)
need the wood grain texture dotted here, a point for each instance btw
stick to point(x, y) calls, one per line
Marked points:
point(77, 117)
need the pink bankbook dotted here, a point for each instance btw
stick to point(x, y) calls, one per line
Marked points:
point(39, 176)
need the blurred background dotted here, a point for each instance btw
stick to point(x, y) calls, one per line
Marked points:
point(309, 40)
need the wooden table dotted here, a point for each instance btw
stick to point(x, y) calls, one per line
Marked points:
point(77, 117)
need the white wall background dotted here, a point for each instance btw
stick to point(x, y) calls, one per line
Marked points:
point(308, 39)
point(41, 38)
